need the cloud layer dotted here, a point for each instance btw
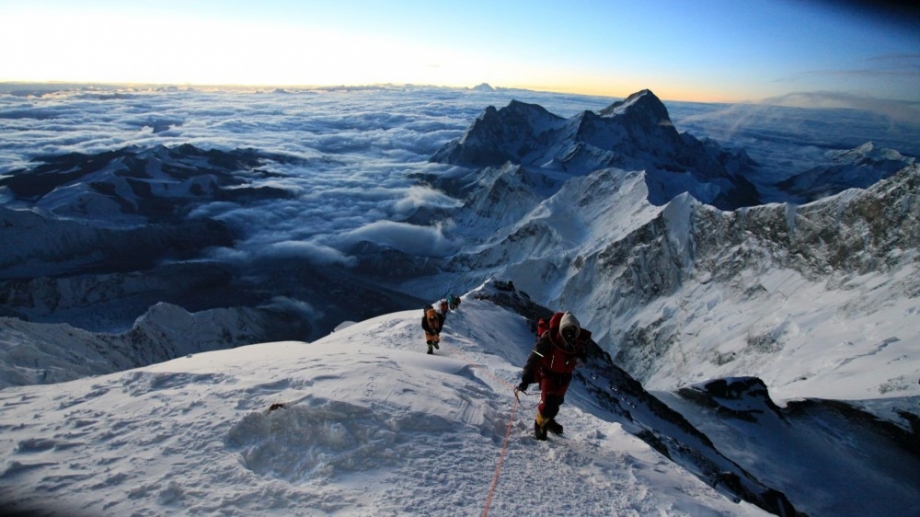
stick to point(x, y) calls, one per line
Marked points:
point(357, 149)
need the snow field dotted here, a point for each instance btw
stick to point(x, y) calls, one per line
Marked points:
point(371, 425)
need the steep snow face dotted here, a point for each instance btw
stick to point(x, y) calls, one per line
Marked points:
point(803, 297)
point(585, 214)
point(809, 450)
point(504, 195)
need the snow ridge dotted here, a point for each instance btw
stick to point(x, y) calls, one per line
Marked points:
point(366, 425)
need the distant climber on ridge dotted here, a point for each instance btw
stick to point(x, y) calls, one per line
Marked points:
point(559, 347)
point(432, 323)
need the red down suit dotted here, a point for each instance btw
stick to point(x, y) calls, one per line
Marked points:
point(551, 363)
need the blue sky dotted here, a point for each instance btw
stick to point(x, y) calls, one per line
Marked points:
point(710, 50)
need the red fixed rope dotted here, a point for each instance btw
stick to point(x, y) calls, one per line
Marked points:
point(501, 459)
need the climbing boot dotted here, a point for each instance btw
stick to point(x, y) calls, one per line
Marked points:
point(553, 426)
point(435, 343)
point(539, 427)
point(430, 351)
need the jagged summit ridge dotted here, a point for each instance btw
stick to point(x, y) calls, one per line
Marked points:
point(499, 136)
point(633, 134)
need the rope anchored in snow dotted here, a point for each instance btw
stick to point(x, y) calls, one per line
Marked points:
point(514, 406)
point(501, 457)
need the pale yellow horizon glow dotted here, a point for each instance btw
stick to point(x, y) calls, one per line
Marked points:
point(105, 48)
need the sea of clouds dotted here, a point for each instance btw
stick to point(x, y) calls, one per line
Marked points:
point(357, 152)
point(355, 149)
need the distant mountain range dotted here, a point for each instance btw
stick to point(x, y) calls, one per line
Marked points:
point(111, 234)
point(660, 242)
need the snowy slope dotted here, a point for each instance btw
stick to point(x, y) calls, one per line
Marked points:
point(32, 353)
point(817, 300)
point(370, 426)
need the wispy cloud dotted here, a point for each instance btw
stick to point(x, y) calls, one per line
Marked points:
point(408, 238)
point(904, 65)
point(902, 111)
point(891, 76)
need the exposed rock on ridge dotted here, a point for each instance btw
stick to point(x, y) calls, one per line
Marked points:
point(830, 241)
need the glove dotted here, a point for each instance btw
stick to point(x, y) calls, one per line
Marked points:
point(522, 386)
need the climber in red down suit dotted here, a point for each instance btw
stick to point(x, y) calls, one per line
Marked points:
point(560, 345)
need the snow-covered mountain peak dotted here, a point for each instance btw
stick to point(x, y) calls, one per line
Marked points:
point(499, 135)
point(274, 427)
point(636, 134)
point(483, 87)
point(859, 167)
point(360, 422)
point(870, 154)
point(643, 104)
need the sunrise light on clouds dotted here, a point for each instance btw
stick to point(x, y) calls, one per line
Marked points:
point(712, 51)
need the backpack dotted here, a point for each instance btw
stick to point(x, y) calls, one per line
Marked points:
point(427, 314)
point(543, 324)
